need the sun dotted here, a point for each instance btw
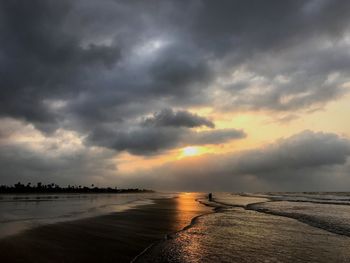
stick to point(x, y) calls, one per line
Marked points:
point(190, 151)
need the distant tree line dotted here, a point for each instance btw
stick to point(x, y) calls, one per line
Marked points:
point(55, 188)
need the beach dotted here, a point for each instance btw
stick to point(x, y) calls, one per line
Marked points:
point(116, 237)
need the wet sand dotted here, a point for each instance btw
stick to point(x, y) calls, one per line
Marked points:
point(117, 237)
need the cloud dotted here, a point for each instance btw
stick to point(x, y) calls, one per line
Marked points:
point(97, 69)
point(27, 155)
point(146, 140)
point(167, 117)
point(304, 150)
point(306, 161)
point(282, 66)
point(215, 137)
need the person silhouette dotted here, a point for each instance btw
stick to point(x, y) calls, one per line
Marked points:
point(210, 196)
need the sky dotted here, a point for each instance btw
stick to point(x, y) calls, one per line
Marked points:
point(194, 95)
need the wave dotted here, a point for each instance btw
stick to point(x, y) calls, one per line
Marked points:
point(337, 224)
point(328, 213)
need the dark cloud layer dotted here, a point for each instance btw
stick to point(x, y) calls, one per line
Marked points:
point(146, 140)
point(109, 63)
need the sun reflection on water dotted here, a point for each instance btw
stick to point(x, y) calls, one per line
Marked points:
point(188, 209)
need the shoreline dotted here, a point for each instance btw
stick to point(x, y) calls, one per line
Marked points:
point(17, 227)
point(120, 236)
point(77, 192)
point(171, 235)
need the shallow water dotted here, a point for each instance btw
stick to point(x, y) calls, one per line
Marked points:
point(330, 212)
point(325, 198)
point(236, 233)
point(333, 218)
point(238, 200)
point(21, 212)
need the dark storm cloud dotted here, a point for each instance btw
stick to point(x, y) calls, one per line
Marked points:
point(305, 161)
point(168, 117)
point(145, 140)
point(140, 141)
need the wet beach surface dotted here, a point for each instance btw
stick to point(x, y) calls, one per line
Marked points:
point(117, 237)
point(20, 212)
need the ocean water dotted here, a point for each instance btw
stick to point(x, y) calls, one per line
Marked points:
point(21, 212)
point(282, 227)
